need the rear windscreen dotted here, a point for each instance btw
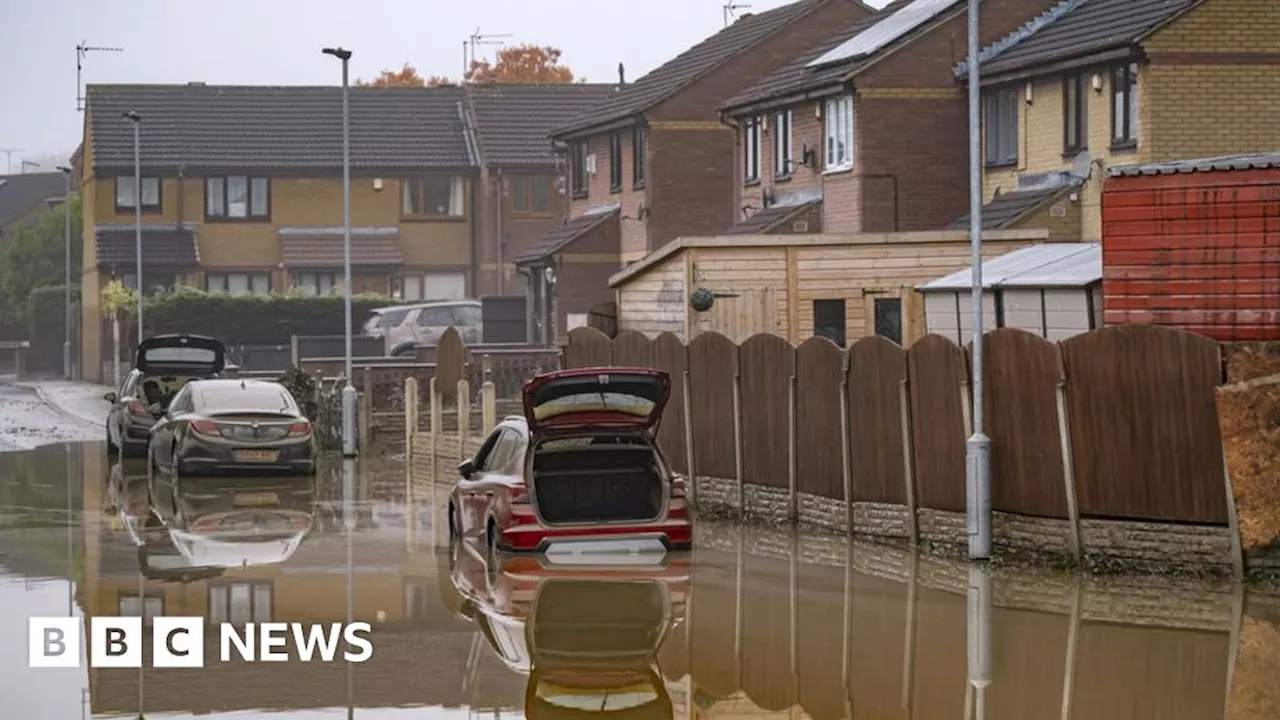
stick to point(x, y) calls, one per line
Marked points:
point(596, 402)
point(269, 399)
point(203, 356)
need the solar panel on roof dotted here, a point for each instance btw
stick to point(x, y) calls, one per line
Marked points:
point(884, 32)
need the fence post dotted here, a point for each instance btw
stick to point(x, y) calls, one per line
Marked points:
point(464, 419)
point(737, 443)
point(908, 461)
point(688, 441)
point(488, 407)
point(1233, 522)
point(486, 368)
point(1068, 472)
point(434, 401)
point(293, 350)
point(793, 501)
point(846, 455)
point(410, 415)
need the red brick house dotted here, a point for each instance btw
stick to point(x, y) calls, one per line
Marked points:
point(522, 178)
point(866, 132)
point(683, 183)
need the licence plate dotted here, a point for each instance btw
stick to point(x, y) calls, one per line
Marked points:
point(255, 456)
point(255, 499)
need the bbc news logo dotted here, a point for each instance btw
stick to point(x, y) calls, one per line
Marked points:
point(178, 642)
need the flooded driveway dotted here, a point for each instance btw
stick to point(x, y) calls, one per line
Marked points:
point(750, 623)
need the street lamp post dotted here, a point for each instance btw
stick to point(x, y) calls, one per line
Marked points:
point(66, 228)
point(137, 212)
point(978, 447)
point(348, 392)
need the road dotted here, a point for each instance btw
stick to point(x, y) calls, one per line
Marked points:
point(33, 415)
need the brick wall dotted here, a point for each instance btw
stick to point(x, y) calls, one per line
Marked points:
point(518, 231)
point(693, 183)
point(806, 129)
point(635, 232)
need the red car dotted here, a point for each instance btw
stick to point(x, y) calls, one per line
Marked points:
point(580, 475)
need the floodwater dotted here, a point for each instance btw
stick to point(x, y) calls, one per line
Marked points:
point(753, 623)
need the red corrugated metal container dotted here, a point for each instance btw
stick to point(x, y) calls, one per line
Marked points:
point(1194, 244)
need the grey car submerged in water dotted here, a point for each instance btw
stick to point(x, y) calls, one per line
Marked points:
point(162, 366)
point(230, 426)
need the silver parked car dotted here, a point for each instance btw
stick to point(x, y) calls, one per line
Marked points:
point(424, 323)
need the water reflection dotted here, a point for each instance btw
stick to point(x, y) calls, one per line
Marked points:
point(756, 622)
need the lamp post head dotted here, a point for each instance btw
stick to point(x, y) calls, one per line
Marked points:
point(340, 53)
point(65, 169)
point(131, 115)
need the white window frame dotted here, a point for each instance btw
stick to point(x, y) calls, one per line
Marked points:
point(782, 144)
point(457, 198)
point(751, 149)
point(838, 123)
point(255, 283)
point(257, 197)
point(312, 284)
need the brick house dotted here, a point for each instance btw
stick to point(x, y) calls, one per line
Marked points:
point(1098, 83)
point(866, 131)
point(522, 178)
point(683, 181)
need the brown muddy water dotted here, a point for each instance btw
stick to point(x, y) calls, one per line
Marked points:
point(751, 623)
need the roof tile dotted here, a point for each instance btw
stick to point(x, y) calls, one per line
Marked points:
point(271, 127)
point(320, 248)
point(20, 193)
point(1007, 209)
point(514, 122)
point(560, 237)
point(769, 218)
point(691, 64)
point(162, 247)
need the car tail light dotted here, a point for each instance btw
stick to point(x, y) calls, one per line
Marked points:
point(138, 409)
point(519, 496)
point(300, 429)
point(203, 525)
point(679, 488)
point(301, 522)
point(205, 427)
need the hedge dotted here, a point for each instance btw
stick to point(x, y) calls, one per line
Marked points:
point(46, 325)
point(253, 319)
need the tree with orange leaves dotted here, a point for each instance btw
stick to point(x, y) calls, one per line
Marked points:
point(522, 64)
point(406, 76)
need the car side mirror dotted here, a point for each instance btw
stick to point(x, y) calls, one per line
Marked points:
point(157, 410)
point(467, 468)
point(109, 397)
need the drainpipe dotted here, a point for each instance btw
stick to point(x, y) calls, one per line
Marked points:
point(501, 207)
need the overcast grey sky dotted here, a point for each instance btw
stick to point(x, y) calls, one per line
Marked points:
point(277, 42)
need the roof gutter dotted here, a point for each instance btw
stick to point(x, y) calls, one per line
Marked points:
point(572, 134)
point(988, 78)
point(779, 101)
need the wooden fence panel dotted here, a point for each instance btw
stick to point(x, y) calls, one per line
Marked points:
point(1021, 373)
point(713, 619)
point(451, 359)
point(820, 665)
point(588, 347)
point(1144, 426)
point(938, 371)
point(766, 363)
point(670, 356)
point(819, 462)
point(766, 632)
point(713, 361)
point(877, 465)
point(878, 617)
point(632, 348)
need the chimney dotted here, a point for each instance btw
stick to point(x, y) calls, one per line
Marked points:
point(622, 75)
point(196, 83)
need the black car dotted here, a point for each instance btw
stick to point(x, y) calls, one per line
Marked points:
point(162, 365)
point(230, 426)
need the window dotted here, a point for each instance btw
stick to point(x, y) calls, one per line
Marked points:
point(1124, 105)
point(839, 133)
point(782, 144)
point(148, 607)
point(531, 195)
point(125, 194)
point(615, 162)
point(751, 149)
point(315, 283)
point(1000, 130)
point(578, 158)
point(889, 319)
point(240, 603)
point(433, 197)
point(1075, 113)
point(238, 283)
point(637, 157)
point(828, 320)
point(435, 317)
point(157, 282)
point(237, 197)
point(444, 286)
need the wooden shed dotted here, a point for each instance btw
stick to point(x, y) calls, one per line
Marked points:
point(1053, 290)
point(840, 286)
point(1195, 244)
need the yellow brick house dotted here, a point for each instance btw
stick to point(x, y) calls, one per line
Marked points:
point(241, 192)
point(1095, 83)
